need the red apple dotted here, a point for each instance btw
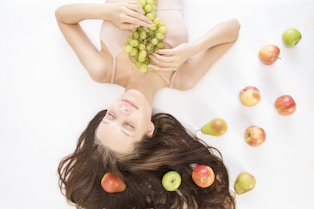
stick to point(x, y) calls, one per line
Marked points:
point(254, 136)
point(203, 176)
point(112, 183)
point(285, 105)
point(249, 96)
point(269, 54)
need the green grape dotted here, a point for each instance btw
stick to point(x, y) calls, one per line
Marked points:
point(154, 41)
point(141, 59)
point(134, 52)
point(134, 59)
point(151, 15)
point(137, 63)
point(157, 21)
point(160, 36)
point(143, 34)
point(148, 8)
point(150, 48)
point(127, 48)
point(135, 35)
point(141, 46)
point(134, 42)
point(142, 54)
point(154, 7)
point(153, 26)
point(144, 41)
point(142, 2)
point(162, 29)
point(143, 67)
point(160, 45)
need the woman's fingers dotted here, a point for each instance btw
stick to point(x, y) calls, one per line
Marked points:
point(163, 63)
point(135, 6)
point(136, 15)
point(163, 58)
point(127, 19)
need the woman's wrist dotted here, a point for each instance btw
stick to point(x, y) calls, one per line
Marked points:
point(192, 48)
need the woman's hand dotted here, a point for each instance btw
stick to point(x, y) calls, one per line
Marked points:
point(170, 59)
point(127, 14)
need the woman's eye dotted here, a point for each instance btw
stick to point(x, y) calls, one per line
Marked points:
point(110, 115)
point(129, 126)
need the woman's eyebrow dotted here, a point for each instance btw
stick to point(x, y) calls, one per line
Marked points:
point(126, 133)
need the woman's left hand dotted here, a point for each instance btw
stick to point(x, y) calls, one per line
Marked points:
point(169, 59)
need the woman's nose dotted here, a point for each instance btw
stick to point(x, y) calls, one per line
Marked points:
point(125, 109)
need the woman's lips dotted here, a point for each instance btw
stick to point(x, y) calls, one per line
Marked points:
point(130, 103)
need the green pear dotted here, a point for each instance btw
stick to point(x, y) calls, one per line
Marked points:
point(215, 127)
point(244, 183)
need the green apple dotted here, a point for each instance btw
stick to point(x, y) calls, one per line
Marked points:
point(171, 181)
point(291, 37)
point(215, 127)
point(244, 183)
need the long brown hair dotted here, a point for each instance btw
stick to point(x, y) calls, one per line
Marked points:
point(171, 147)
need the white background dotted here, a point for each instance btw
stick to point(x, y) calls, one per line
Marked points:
point(47, 99)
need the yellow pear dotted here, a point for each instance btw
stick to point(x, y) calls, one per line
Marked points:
point(215, 127)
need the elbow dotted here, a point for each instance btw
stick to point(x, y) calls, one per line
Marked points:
point(58, 13)
point(97, 73)
point(236, 24)
point(235, 29)
point(98, 78)
point(63, 14)
point(188, 85)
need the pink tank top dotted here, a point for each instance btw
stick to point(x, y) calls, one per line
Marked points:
point(170, 11)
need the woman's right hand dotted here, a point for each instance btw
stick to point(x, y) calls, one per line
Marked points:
point(127, 14)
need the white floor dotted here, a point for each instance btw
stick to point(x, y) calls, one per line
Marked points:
point(47, 99)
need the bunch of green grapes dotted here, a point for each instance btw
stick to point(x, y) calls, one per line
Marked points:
point(144, 41)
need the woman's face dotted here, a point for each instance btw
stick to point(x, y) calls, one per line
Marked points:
point(126, 122)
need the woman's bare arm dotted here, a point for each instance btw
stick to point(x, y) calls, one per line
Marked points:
point(193, 60)
point(125, 15)
point(171, 59)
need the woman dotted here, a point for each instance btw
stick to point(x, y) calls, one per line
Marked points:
point(127, 123)
point(169, 148)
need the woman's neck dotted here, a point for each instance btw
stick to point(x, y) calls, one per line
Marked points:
point(149, 91)
point(148, 84)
